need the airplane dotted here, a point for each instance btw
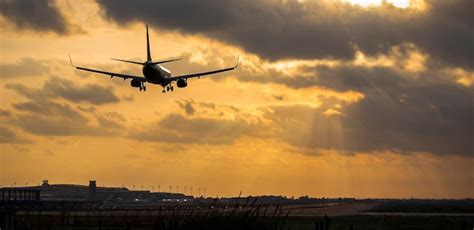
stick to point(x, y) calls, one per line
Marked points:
point(154, 73)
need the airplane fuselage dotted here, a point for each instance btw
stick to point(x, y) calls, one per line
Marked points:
point(156, 74)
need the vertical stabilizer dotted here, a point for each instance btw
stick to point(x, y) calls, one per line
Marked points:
point(148, 45)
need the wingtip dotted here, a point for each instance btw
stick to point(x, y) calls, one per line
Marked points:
point(238, 61)
point(70, 60)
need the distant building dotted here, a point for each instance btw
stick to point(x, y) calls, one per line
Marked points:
point(19, 194)
point(71, 192)
point(92, 190)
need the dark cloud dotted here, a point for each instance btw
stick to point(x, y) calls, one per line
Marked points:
point(23, 90)
point(176, 128)
point(43, 117)
point(40, 115)
point(112, 120)
point(5, 113)
point(57, 87)
point(187, 106)
point(314, 29)
point(94, 94)
point(426, 111)
point(55, 126)
point(349, 77)
point(375, 126)
point(89, 109)
point(26, 67)
point(7, 135)
point(47, 108)
point(40, 15)
point(47, 118)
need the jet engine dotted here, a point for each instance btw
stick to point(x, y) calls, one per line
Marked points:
point(136, 83)
point(182, 83)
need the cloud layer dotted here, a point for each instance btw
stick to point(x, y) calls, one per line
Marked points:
point(57, 87)
point(315, 29)
point(379, 123)
point(45, 113)
point(40, 15)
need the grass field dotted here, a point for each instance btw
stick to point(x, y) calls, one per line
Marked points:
point(355, 215)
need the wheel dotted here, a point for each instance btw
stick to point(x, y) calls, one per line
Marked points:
point(172, 88)
point(163, 91)
point(144, 88)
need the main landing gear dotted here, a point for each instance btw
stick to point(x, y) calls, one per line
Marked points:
point(142, 87)
point(168, 88)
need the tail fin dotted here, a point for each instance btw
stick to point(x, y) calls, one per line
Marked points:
point(148, 45)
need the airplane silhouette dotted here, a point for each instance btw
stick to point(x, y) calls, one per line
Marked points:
point(154, 73)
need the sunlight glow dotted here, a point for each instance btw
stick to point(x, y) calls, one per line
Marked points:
point(367, 3)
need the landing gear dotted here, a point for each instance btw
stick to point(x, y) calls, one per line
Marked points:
point(142, 87)
point(168, 88)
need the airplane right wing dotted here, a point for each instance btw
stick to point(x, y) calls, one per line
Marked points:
point(111, 74)
point(198, 75)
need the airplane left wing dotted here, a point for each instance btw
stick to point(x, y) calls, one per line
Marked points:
point(111, 74)
point(186, 76)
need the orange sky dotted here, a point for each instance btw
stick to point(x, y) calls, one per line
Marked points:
point(254, 130)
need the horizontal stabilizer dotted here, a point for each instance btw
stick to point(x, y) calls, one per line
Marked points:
point(166, 61)
point(132, 62)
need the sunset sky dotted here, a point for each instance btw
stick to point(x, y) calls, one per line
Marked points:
point(333, 98)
